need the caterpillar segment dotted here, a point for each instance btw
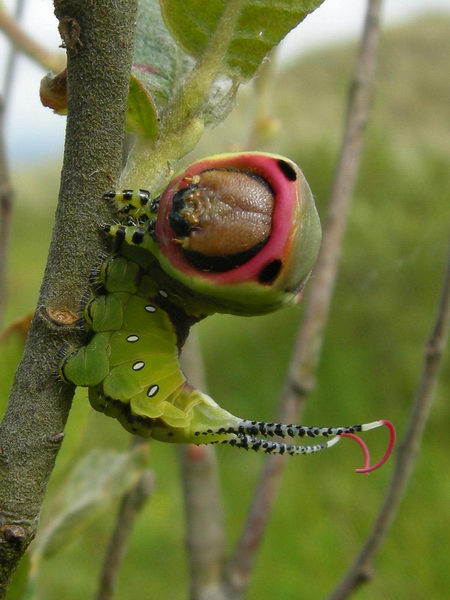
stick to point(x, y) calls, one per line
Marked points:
point(134, 203)
point(141, 235)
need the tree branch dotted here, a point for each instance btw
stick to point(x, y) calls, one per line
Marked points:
point(130, 506)
point(263, 124)
point(50, 61)
point(205, 536)
point(6, 201)
point(305, 358)
point(362, 568)
point(99, 61)
point(6, 189)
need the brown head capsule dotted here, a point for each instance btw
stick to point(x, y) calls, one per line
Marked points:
point(222, 218)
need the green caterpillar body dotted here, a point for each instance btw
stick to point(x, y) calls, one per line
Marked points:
point(130, 364)
point(169, 272)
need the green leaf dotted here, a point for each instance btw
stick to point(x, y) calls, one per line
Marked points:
point(98, 478)
point(141, 111)
point(261, 24)
point(158, 62)
point(12, 342)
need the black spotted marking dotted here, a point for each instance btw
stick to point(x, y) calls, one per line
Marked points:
point(120, 233)
point(127, 194)
point(138, 236)
point(287, 170)
point(144, 197)
point(270, 272)
point(256, 445)
point(138, 365)
point(126, 209)
point(279, 430)
point(132, 338)
point(154, 206)
point(110, 195)
point(152, 390)
point(150, 308)
point(119, 238)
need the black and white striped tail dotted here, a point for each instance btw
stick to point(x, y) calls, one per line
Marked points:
point(244, 436)
point(248, 442)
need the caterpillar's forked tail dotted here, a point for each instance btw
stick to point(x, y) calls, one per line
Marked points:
point(368, 468)
point(244, 436)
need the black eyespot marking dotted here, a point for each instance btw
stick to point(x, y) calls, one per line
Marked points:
point(287, 170)
point(132, 338)
point(127, 194)
point(138, 365)
point(270, 271)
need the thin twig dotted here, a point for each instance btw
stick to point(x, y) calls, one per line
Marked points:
point(303, 366)
point(205, 536)
point(362, 568)
point(264, 125)
point(6, 200)
point(6, 189)
point(131, 505)
point(11, 58)
point(26, 44)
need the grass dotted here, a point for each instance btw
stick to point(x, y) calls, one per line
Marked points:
point(385, 299)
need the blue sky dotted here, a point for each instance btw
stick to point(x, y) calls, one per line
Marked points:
point(34, 133)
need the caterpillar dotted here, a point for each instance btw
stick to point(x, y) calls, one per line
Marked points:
point(236, 233)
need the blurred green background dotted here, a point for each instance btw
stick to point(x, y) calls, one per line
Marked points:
point(389, 283)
